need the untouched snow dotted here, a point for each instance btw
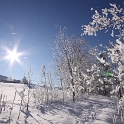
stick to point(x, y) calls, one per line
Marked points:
point(90, 110)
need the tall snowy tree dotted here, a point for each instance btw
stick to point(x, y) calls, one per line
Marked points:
point(72, 58)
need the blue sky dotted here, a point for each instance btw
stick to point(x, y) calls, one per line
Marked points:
point(32, 25)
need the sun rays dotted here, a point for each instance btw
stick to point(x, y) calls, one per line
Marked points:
point(12, 56)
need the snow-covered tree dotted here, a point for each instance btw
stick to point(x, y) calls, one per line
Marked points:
point(116, 53)
point(24, 80)
point(72, 58)
point(110, 19)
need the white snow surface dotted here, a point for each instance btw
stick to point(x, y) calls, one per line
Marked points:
point(90, 110)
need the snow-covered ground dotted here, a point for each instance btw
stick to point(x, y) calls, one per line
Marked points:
point(90, 110)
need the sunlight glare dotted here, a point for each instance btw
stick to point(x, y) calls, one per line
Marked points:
point(12, 56)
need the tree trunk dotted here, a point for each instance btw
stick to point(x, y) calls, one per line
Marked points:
point(105, 93)
point(73, 89)
point(73, 96)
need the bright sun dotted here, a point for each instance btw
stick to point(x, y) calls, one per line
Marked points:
point(12, 56)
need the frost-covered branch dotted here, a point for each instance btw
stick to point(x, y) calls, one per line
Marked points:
point(112, 18)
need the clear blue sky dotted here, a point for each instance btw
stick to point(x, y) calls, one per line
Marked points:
point(32, 24)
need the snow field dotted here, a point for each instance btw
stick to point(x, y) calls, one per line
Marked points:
point(90, 110)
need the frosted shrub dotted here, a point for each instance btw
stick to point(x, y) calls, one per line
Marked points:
point(2, 102)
